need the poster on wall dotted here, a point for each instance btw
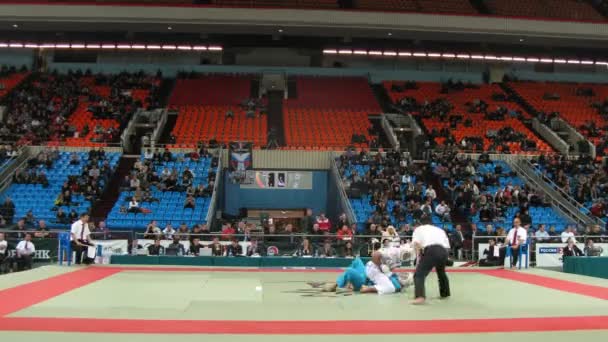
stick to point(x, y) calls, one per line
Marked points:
point(240, 156)
point(277, 180)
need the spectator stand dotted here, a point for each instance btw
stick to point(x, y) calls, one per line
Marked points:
point(582, 181)
point(386, 189)
point(468, 117)
point(36, 189)
point(330, 113)
point(217, 107)
point(164, 202)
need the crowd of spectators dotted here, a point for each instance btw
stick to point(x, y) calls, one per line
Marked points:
point(39, 108)
point(582, 178)
point(146, 176)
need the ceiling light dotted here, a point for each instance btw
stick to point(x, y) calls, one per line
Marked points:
point(215, 48)
point(199, 48)
point(448, 55)
point(360, 52)
point(375, 53)
point(15, 26)
point(419, 54)
point(330, 51)
point(280, 30)
point(169, 28)
point(405, 54)
point(345, 52)
point(390, 34)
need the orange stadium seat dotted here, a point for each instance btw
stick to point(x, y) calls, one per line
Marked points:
point(328, 112)
point(204, 122)
point(576, 110)
point(429, 91)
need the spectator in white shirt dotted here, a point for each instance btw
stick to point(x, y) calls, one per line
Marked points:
point(430, 192)
point(25, 253)
point(168, 232)
point(541, 234)
point(443, 211)
point(568, 234)
point(134, 206)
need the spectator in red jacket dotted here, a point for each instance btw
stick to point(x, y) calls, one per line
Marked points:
point(323, 222)
point(345, 233)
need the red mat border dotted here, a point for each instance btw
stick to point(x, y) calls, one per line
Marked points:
point(455, 326)
point(23, 296)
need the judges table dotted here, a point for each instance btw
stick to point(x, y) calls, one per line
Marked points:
point(589, 266)
point(276, 261)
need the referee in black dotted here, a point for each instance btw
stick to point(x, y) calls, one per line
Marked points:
point(431, 244)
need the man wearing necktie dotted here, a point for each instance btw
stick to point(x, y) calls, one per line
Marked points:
point(79, 238)
point(515, 238)
point(25, 253)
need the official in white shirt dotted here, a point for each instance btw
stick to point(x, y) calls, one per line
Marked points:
point(25, 253)
point(517, 236)
point(431, 244)
point(80, 240)
point(4, 258)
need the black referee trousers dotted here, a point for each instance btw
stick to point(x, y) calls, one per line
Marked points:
point(434, 256)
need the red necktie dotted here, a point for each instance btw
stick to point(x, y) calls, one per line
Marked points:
point(514, 237)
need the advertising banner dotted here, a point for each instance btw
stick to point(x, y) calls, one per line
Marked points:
point(551, 254)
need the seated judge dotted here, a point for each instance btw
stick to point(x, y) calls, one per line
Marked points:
point(156, 248)
point(495, 256)
point(327, 251)
point(306, 248)
point(216, 247)
point(571, 249)
point(25, 253)
point(195, 246)
point(255, 248)
point(176, 247)
point(234, 249)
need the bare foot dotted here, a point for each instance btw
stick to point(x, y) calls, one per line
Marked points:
point(418, 301)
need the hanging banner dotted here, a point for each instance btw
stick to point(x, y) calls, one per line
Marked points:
point(240, 156)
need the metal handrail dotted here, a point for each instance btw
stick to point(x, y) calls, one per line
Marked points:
point(350, 213)
point(564, 194)
point(213, 200)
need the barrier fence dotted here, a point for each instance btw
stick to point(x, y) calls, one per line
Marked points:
point(544, 252)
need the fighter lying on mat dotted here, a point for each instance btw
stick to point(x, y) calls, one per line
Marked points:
point(375, 277)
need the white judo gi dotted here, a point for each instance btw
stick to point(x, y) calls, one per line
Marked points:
point(393, 256)
point(382, 282)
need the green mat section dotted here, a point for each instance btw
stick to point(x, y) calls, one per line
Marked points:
point(285, 296)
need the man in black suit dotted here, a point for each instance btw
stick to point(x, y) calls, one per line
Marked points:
point(256, 248)
point(156, 248)
point(457, 241)
point(234, 249)
point(495, 256)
